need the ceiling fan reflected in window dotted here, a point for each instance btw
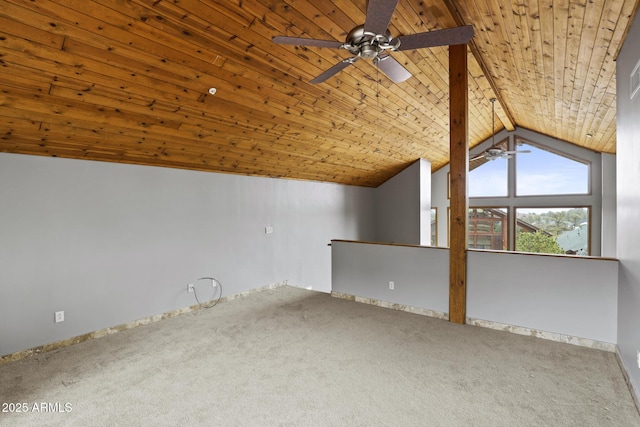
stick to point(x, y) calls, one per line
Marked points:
point(496, 151)
point(374, 41)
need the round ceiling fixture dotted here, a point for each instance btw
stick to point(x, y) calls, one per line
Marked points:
point(212, 90)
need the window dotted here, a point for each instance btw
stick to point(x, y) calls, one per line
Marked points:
point(488, 178)
point(543, 172)
point(487, 228)
point(434, 227)
point(553, 230)
point(537, 201)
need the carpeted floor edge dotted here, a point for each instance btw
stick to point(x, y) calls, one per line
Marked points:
point(23, 354)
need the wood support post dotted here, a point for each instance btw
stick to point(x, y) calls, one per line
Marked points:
point(459, 165)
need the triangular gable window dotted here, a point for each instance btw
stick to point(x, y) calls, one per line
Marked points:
point(488, 178)
point(543, 172)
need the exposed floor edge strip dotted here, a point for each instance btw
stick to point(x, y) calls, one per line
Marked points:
point(635, 395)
point(108, 331)
point(392, 305)
point(551, 336)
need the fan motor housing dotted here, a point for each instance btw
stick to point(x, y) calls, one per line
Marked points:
point(367, 45)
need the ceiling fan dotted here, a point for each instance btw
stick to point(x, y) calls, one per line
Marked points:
point(496, 151)
point(373, 41)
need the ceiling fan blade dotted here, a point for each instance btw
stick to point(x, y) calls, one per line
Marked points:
point(300, 41)
point(392, 68)
point(331, 71)
point(379, 14)
point(516, 152)
point(481, 156)
point(448, 36)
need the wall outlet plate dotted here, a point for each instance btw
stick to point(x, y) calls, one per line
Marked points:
point(638, 359)
point(190, 287)
point(392, 285)
point(59, 316)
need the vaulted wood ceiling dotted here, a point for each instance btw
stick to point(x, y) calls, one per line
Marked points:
point(128, 80)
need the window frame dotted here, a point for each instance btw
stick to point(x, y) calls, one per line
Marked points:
point(518, 141)
point(592, 200)
point(505, 230)
point(589, 216)
point(434, 236)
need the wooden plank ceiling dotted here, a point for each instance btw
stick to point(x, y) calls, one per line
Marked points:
point(127, 81)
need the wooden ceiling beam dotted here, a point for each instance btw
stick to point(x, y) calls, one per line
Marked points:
point(502, 112)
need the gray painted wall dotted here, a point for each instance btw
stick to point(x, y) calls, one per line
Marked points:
point(110, 243)
point(425, 202)
point(575, 296)
point(403, 205)
point(420, 274)
point(609, 232)
point(440, 202)
point(628, 205)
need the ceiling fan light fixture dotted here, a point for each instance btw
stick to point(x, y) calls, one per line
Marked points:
point(368, 51)
point(495, 152)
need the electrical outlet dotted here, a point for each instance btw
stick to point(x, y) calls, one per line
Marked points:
point(59, 316)
point(638, 359)
point(268, 230)
point(190, 287)
point(392, 285)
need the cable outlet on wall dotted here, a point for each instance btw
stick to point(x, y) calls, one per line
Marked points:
point(190, 287)
point(392, 285)
point(59, 316)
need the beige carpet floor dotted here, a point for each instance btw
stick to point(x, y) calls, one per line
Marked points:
point(294, 357)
